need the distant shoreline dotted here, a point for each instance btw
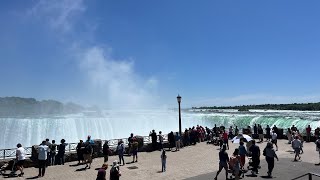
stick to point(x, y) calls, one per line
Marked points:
point(294, 106)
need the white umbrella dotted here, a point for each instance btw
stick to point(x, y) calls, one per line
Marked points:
point(240, 137)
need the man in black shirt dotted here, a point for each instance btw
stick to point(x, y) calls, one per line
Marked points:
point(255, 153)
point(223, 161)
point(154, 139)
point(255, 129)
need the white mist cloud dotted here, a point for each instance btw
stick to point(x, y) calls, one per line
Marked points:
point(115, 81)
point(109, 82)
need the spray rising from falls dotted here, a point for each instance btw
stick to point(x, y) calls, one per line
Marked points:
point(113, 124)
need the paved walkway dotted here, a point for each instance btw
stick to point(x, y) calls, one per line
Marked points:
point(195, 162)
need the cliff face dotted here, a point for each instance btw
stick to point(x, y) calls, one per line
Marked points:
point(17, 106)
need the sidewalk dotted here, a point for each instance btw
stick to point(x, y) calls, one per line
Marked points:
point(194, 162)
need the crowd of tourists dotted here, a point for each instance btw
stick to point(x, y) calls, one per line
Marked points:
point(50, 153)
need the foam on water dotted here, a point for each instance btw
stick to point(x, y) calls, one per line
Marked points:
point(112, 124)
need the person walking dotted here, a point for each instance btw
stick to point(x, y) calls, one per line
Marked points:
point(274, 139)
point(102, 172)
point(234, 164)
point(42, 158)
point(62, 151)
point(255, 153)
point(270, 154)
point(105, 151)
point(121, 150)
point(223, 161)
point(20, 157)
point(163, 160)
point(296, 145)
point(177, 138)
point(242, 153)
point(115, 171)
point(53, 150)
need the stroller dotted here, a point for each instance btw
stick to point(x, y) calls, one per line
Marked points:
point(11, 165)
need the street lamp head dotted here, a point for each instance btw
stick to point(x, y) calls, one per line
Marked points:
point(179, 98)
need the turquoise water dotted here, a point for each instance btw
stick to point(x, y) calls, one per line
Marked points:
point(114, 124)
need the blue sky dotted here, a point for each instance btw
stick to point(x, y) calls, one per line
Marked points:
point(138, 53)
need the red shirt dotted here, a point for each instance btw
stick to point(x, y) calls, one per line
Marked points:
point(308, 130)
point(225, 136)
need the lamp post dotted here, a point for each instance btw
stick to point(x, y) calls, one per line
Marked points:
point(179, 101)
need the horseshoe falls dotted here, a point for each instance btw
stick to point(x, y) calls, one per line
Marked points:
point(114, 124)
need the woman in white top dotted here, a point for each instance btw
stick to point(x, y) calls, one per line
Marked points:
point(21, 156)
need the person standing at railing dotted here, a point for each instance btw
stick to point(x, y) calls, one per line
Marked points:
point(135, 147)
point(308, 131)
point(160, 141)
point(121, 150)
point(80, 149)
point(87, 154)
point(48, 163)
point(106, 151)
point(153, 135)
point(21, 156)
point(61, 151)
point(53, 150)
point(178, 137)
point(130, 141)
point(42, 158)
point(171, 140)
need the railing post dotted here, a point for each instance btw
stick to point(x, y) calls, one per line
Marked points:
point(310, 176)
point(4, 154)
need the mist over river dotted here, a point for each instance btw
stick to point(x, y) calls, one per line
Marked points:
point(113, 124)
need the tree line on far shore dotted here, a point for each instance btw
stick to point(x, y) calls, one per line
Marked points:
point(294, 106)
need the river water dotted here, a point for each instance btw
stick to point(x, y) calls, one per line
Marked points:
point(112, 124)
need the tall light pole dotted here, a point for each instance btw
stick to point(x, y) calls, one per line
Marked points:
point(179, 101)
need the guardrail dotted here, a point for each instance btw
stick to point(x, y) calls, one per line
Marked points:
point(310, 175)
point(72, 147)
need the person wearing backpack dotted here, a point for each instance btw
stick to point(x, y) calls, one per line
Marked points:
point(318, 147)
point(121, 150)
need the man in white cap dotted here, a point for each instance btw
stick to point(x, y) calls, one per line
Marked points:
point(115, 171)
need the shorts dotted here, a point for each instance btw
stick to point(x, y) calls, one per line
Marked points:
point(223, 164)
point(225, 141)
point(87, 157)
point(297, 150)
point(134, 152)
point(20, 163)
point(274, 141)
point(260, 136)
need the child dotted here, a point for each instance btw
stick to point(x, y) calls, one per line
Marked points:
point(163, 160)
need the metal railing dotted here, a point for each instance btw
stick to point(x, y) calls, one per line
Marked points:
point(310, 175)
point(72, 147)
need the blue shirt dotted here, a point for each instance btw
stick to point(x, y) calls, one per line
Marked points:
point(43, 151)
point(177, 137)
point(242, 150)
